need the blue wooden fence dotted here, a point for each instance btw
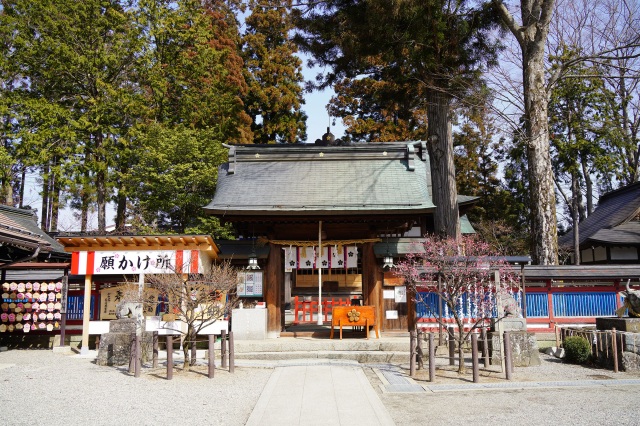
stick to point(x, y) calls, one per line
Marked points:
point(75, 307)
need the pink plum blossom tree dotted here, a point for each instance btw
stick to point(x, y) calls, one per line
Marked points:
point(466, 278)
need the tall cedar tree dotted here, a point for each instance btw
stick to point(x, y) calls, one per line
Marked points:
point(375, 110)
point(439, 45)
point(74, 61)
point(193, 82)
point(273, 73)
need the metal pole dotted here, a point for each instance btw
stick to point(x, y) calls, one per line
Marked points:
point(212, 355)
point(432, 359)
point(223, 349)
point(507, 355)
point(169, 357)
point(474, 357)
point(319, 265)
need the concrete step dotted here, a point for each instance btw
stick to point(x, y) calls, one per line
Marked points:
point(326, 345)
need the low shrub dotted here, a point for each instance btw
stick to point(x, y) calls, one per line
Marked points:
point(577, 349)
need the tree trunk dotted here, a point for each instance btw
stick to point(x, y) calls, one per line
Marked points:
point(440, 144)
point(121, 211)
point(23, 177)
point(543, 200)
point(55, 204)
point(461, 367)
point(575, 189)
point(44, 220)
point(588, 182)
point(101, 188)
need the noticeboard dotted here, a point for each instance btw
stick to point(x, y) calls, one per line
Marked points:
point(250, 284)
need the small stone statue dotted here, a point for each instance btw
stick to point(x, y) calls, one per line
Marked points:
point(631, 302)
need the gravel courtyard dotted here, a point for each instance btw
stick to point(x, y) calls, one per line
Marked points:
point(42, 388)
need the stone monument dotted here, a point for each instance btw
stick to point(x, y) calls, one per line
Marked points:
point(115, 346)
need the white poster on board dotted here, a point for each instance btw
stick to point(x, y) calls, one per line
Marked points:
point(388, 294)
point(392, 315)
point(401, 294)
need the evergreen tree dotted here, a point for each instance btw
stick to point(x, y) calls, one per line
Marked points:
point(438, 45)
point(74, 61)
point(193, 83)
point(273, 74)
point(375, 110)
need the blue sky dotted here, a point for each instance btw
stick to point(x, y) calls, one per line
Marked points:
point(316, 108)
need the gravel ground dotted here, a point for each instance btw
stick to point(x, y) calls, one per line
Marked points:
point(610, 405)
point(39, 387)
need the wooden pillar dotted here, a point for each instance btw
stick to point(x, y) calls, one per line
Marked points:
point(273, 281)
point(86, 315)
point(372, 281)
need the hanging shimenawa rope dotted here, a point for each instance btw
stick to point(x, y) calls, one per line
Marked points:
point(338, 243)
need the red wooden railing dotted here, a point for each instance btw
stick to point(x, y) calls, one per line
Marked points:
point(306, 311)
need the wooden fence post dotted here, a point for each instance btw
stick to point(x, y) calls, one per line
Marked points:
point(212, 355)
point(507, 355)
point(412, 353)
point(474, 357)
point(452, 347)
point(614, 348)
point(432, 359)
point(169, 357)
point(223, 349)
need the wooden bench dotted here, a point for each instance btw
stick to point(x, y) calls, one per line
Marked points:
point(354, 316)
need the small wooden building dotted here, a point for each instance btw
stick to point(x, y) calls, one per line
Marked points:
point(358, 202)
point(611, 234)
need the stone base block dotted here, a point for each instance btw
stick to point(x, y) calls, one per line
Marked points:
point(524, 349)
point(115, 348)
point(631, 325)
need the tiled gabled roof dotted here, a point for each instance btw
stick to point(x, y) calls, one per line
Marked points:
point(18, 228)
point(614, 221)
point(311, 179)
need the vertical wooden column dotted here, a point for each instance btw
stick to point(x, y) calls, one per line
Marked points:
point(372, 281)
point(273, 281)
point(86, 315)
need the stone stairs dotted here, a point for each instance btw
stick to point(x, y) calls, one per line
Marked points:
point(384, 350)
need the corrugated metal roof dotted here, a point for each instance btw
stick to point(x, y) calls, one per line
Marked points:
point(611, 221)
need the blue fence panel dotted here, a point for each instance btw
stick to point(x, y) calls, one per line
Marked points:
point(537, 305)
point(427, 306)
point(75, 307)
point(587, 304)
